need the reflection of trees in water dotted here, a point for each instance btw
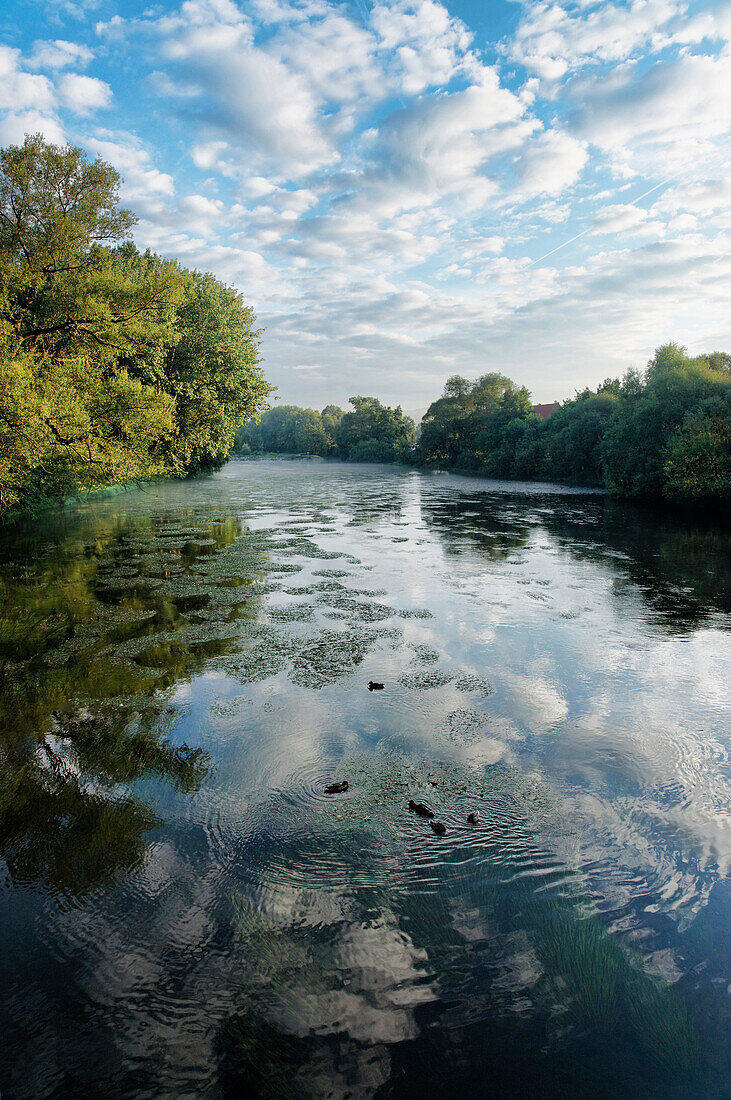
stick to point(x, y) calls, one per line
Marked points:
point(81, 717)
point(63, 820)
point(492, 525)
point(383, 502)
point(678, 562)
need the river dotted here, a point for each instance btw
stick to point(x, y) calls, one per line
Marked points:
point(185, 913)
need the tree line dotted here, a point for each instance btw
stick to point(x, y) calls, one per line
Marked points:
point(660, 434)
point(115, 365)
point(370, 432)
point(664, 433)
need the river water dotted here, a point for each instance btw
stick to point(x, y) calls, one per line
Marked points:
point(184, 912)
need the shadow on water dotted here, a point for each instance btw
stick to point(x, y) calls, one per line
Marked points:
point(678, 563)
point(479, 522)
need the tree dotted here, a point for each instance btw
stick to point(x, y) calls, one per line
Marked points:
point(114, 365)
point(648, 413)
point(465, 414)
point(372, 421)
point(698, 454)
point(211, 370)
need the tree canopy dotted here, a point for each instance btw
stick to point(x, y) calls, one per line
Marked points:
point(115, 365)
point(372, 432)
point(661, 433)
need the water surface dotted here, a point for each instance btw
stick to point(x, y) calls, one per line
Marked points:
point(184, 912)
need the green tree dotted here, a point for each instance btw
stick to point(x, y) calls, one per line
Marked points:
point(211, 370)
point(697, 462)
point(649, 411)
point(113, 365)
point(372, 421)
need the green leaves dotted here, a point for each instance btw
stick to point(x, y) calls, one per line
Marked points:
point(114, 365)
point(662, 433)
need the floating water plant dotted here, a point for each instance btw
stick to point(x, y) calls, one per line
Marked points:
point(426, 678)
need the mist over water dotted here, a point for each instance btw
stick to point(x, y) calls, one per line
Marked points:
point(185, 912)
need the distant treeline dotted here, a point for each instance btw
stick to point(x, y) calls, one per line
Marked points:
point(664, 433)
point(371, 432)
point(115, 365)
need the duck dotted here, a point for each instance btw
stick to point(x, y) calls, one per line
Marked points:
point(374, 686)
point(420, 809)
point(473, 818)
point(439, 827)
point(337, 788)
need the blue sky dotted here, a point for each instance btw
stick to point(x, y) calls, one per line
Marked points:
point(408, 189)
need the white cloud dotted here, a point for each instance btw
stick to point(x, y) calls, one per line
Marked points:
point(14, 127)
point(59, 55)
point(84, 94)
point(427, 45)
point(554, 39)
point(21, 91)
point(142, 183)
point(619, 218)
point(672, 115)
point(551, 163)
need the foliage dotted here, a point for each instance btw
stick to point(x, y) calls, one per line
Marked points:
point(372, 432)
point(635, 449)
point(114, 365)
point(698, 453)
point(387, 430)
point(470, 419)
point(660, 434)
point(287, 429)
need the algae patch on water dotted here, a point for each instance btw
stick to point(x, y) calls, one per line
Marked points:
point(426, 678)
point(465, 725)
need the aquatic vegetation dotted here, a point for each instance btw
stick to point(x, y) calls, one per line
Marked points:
point(329, 656)
point(478, 684)
point(415, 613)
point(293, 613)
point(464, 725)
point(259, 662)
point(304, 548)
point(426, 678)
point(605, 987)
point(225, 708)
point(425, 654)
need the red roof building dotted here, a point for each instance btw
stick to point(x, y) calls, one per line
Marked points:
point(544, 411)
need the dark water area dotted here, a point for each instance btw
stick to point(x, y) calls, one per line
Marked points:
point(184, 912)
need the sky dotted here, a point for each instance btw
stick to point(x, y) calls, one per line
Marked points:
point(406, 189)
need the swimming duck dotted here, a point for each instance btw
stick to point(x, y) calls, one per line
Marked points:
point(374, 686)
point(473, 818)
point(439, 827)
point(420, 809)
point(337, 788)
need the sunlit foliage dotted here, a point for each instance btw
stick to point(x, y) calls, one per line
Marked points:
point(114, 365)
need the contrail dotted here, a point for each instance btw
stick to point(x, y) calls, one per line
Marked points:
point(583, 231)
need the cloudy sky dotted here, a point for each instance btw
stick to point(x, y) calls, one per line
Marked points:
point(406, 189)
